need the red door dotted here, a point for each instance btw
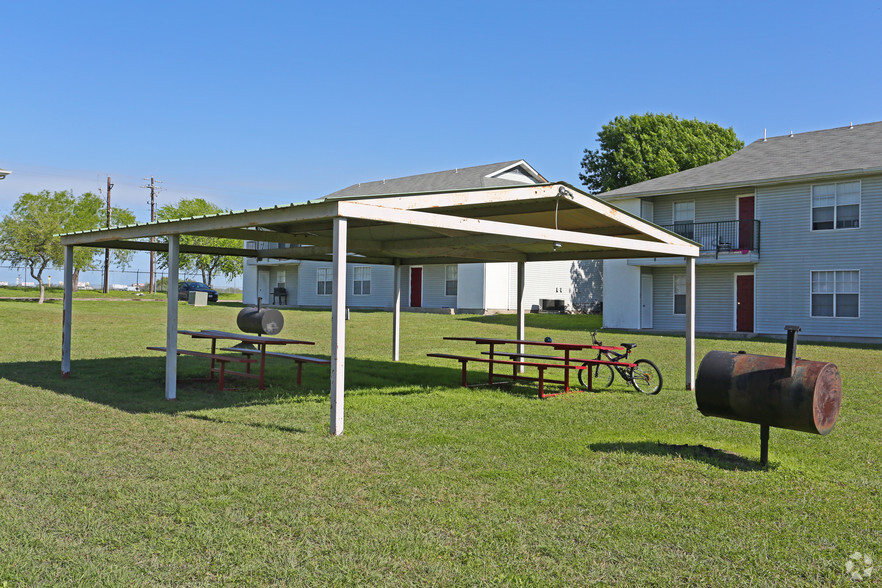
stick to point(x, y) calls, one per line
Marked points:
point(744, 303)
point(745, 222)
point(416, 287)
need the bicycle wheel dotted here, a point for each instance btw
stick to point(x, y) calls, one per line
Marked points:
point(601, 376)
point(646, 377)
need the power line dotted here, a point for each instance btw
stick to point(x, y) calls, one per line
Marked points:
point(153, 190)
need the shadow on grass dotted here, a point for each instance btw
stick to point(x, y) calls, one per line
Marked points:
point(716, 457)
point(137, 384)
point(281, 428)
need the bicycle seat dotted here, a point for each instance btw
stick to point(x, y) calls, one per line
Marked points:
point(629, 346)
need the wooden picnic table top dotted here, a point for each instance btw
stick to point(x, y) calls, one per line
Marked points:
point(554, 345)
point(245, 338)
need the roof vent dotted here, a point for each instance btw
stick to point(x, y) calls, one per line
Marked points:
point(764, 134)
point(851, 125)
point(791, 133)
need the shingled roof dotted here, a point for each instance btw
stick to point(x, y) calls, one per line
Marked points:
point(481, 176)
point(848, 150)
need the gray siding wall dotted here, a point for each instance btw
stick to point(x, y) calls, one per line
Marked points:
point(434, 286)
point(790, 251)
point(714, 297)
point(720, 205)
point(381, 286)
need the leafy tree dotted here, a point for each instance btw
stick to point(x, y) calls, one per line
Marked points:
point(29, 234)
point(209, 265)
point(642, 147)
point(89, 212)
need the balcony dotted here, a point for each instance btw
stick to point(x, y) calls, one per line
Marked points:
point(739, 236)
point(736, 241)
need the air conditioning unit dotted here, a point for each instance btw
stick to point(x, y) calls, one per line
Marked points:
point(552, 304)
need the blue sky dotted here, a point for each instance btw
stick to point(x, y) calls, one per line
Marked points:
point(263, 103)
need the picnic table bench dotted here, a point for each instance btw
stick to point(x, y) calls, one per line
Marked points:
point(257, 340)
point(220, 359)
point(541, 367)
point(519, 360)
point(300, 359)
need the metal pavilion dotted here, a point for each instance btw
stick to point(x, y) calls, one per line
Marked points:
point(543, 222)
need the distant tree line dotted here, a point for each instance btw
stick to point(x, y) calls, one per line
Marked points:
point(30, 235)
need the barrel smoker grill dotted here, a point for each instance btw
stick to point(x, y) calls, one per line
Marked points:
point(262, 321)
point(787, 392)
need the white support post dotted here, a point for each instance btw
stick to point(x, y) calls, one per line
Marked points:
point(690, 323)
point(67, 307)
point(338, 327)
point(522, 271)
point(396, 311)
point(171, 322)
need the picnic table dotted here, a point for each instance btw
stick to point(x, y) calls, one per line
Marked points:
point(260, 343)
point(563, 360)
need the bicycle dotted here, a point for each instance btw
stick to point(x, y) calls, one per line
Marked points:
point(645, 376)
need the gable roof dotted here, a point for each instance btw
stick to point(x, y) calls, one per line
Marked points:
point(493, 175)
point(535, 222)
point(841, 151)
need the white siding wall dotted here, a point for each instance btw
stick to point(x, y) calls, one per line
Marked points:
point(471, 286)
point(565, 280)
point(621, 284)
point(249, 282)
point(621, 294)
point(499, 278)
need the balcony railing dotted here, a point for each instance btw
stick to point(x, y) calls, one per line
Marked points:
point(722, 236)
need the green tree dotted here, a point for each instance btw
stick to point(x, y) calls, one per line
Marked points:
point(642, 147)
point(88, 212)
point(29, 234)
point(209, 265)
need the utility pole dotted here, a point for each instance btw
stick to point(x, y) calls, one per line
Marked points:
point(106, 250)
point(153, 190)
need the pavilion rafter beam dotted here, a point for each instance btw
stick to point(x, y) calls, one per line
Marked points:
point(470, 197)
point(626, 219)
point(428, 219)
point(249, 218)
point(147, 246)
point(532, 192)
point(466, 240)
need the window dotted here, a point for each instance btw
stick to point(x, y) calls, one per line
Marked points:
point(280, 278)
point(324, 281)
point(836, 206)
point(836, 293)
point(451, 273)
point(361, 281)
point(680, 294)
point(684, 218)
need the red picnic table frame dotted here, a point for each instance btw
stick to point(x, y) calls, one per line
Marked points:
point(566, 348)
point(258, 340)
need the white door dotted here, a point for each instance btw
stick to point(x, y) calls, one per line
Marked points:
point(646, 301)
point(263, 286)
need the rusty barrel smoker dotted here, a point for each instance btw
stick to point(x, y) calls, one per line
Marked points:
point(783, 392)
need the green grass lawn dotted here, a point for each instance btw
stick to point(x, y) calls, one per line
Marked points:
point(103, 482)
